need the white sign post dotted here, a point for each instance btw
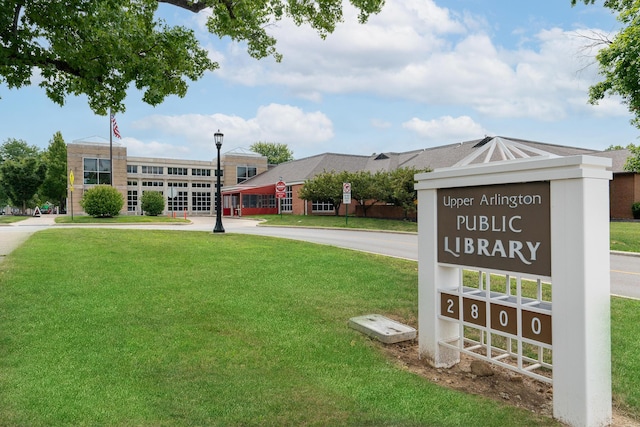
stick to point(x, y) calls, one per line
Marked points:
point(493, 232)
point(281, 193)
point(346, 200)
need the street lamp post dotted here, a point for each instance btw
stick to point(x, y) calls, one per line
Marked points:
point(218, 228)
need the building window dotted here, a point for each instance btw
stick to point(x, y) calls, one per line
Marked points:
point(201, 172)
point(132, 183)
point(201, 184)
point(245, 172)
point(258, 201)
point(132, 168)
point(132, 200)
point(155, 170)
point(322, 207)
point(176, 171)
point(152, 183)
point(286, 203)
point(201, 201)
point(97, 171)
point(177, 196)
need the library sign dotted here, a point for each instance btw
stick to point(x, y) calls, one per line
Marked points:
point(504, 227)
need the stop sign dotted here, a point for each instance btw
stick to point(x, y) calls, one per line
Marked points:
point(281, 190)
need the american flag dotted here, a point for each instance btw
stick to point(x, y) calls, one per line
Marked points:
point(116, 132)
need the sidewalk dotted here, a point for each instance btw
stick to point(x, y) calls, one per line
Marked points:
point(13, 235)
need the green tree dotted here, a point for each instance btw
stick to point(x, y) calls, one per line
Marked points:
point(326, 187)
point(17, 149)
point(101, 47)
point(152, 203)
point(18, 175)
point(632, 164)
point(102, 201)
point(54, 187)
point(274, 152)
point(400, 189)
point(617, 60)
point(21, 180)
point(366, 189)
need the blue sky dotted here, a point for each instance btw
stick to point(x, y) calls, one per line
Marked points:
point(420, 74)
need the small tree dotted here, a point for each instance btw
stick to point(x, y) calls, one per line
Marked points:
point(366, 189)
point(54, 187)
point(152, 203)
point(635, 210)
point(274, 152)
point(401, 191)
point(102, 201)
point(325, 187)
point(633, 161)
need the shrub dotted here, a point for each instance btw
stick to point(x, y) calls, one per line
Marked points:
point(102, 201)
point(152, 203)
point(635, 210)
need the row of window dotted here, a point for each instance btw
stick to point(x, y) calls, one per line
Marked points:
point(169, 184)
point(98, 171)
point(200, 201)
point(159, 170)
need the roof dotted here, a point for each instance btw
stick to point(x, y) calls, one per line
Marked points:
point(297, 171)
point(95, 140)
point(618, 157)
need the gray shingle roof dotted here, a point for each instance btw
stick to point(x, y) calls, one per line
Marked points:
point(297, 171)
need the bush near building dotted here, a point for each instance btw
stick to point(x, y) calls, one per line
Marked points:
point(102, 201)
point(635, 210)
point(152, 203)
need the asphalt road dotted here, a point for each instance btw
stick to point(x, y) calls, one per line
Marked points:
point(625, 269)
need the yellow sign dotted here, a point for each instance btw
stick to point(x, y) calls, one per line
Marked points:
point(71, 180)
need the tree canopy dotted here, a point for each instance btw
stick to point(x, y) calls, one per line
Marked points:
point(100, 47)
point(21, 173)
point(633, 161)
point(618, 60)
point(274, 152)
point(54, 187)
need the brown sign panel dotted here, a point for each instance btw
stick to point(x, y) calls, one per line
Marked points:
point(474, 311)
point(503, 227)
point(504, 318)
point(450, 305)
point(536, 326)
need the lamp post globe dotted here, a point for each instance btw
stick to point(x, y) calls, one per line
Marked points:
point(217, 137)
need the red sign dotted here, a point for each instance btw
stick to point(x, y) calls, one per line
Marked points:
point(281, 190)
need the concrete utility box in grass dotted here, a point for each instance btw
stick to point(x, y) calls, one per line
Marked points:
point(383, 329)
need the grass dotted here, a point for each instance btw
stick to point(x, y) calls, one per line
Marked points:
point(332, 221)
point(168, 328)
point(9, 219)
point(625, 236)
point(121, 219)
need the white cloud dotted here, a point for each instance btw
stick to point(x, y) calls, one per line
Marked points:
point(446, 128)
point(416, 50)
point(274, 123)
point(137, 148)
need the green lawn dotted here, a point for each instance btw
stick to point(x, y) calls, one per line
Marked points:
point(121, 219)
point(625, 236)
point(8, 219)
point(178, 328)
point(332, 221)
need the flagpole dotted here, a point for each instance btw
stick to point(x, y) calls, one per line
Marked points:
point(110, 147)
